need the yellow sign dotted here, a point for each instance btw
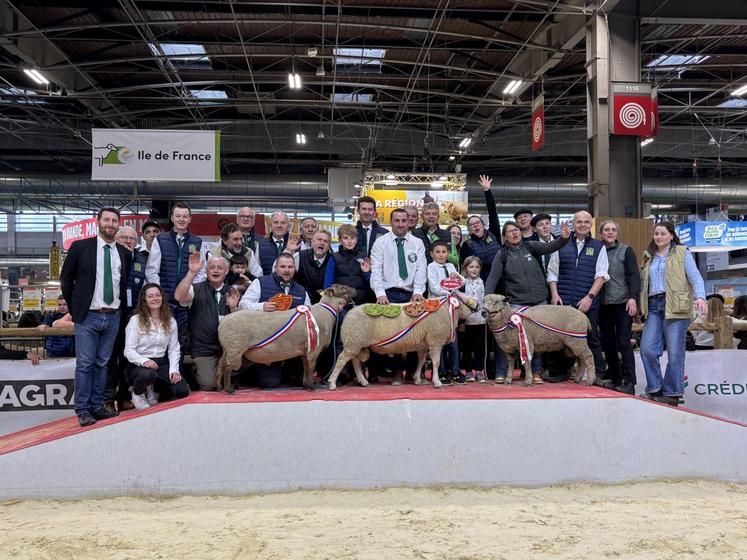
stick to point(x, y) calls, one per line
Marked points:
point(452, 204)
point(32, 299)
point(50, 298)
point(54, 261)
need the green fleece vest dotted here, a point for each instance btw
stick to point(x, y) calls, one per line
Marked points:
point(679, 299)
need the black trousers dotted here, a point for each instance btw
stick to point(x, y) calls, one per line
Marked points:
point(616, 329)
point(140, 377)
point(472, 344)
point(117, 387)
point(595, 342)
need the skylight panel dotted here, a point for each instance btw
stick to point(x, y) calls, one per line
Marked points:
point(21, 96)
point(208, 94)
point(359, 56)
point(183, 53)
point(679, 61)
point(734, 104)
point(353, 97)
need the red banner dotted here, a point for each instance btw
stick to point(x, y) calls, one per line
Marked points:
point(631, 109)
point(538, 122)
point(201, 224)
point(654, 112)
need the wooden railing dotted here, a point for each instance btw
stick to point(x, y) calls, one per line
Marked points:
point(723, 331)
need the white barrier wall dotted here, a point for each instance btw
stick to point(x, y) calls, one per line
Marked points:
point(33, 395)
point(244, 448)
point(715, 382)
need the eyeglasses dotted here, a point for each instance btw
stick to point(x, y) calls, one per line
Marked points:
point(245, 217)
point(474, 224)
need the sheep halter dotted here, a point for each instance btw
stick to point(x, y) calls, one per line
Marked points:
point(515, 320)
point(453, 305)
point(312, 329)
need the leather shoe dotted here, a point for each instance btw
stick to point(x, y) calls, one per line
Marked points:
point(125, 405)
point(85, 419)
point(104, 413)
point(627, 389)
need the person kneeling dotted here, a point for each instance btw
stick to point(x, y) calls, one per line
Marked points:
point(152, 349)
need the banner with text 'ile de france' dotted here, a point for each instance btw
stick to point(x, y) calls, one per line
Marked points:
point(155, 155)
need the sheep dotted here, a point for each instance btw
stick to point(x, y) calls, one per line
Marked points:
point(239, 332)
point(497, 310)
point(359, 334)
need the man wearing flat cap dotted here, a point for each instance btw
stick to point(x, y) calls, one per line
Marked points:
point(523, 217)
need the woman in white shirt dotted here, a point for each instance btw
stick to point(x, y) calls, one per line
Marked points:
point(152, 348)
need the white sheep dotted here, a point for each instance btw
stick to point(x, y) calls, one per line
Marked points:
point(240, 332)
point(558, 317)
point(360, 334)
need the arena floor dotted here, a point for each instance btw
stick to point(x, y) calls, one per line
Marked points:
point(655, 520)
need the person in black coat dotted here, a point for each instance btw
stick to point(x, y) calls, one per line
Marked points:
point(94, 281)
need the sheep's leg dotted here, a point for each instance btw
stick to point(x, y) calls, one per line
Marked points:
point(358, 367)
point(527, 367)
point(588, 361)
point(345, 356)
point(309, 362)
point(226, 367)
point(435, 353)
point(416, 377)
point(509, 379)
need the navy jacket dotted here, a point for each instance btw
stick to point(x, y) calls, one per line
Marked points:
point(576, 271)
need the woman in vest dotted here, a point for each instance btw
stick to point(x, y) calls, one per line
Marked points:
point(619, 304)
point(670, 281)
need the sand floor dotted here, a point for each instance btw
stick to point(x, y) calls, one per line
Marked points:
point(657, 520)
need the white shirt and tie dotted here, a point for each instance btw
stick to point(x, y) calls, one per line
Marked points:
point(116, 267)
point(153, 268)
point(250, 299)
point(385, 265)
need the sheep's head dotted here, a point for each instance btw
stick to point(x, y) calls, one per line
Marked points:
point(496, 308)
point(338, 296)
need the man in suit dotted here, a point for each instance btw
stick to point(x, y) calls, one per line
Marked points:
point(94, 281)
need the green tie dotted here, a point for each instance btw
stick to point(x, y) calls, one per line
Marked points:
point(108, 284)
point(401, 258)
point(180, 244)
point(279, 248)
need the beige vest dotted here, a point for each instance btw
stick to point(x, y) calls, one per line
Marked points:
point(679, 300)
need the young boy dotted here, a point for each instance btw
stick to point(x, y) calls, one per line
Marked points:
point(440, 269)
point(346, 267)
point(238, 275)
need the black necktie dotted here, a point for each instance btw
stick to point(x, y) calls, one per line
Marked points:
point(279, 245)
point(284, 286)
point(446, 271)
point(367, 232)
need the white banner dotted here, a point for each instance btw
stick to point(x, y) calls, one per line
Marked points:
point(715, 382)
point(33, 395)
point(155, 155)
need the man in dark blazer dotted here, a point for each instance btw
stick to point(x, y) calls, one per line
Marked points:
point(94, 282)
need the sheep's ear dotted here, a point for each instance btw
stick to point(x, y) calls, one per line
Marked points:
point(327, 292)
point(507, 299)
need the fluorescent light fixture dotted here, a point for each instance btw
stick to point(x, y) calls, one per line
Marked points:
point(437, 184)
point(512, 86)
point(300, 138)
point(294, 81)
point(391, 183)
point(36, 76)
point(452, 158)
point(311, 51)
point(465, 142)
point(739, 91)
point(646, 141)
point(662, 206)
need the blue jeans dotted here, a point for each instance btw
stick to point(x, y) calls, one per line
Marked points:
point(449, 352)
point(94, 341)
point(501, 362)
point(657, 330)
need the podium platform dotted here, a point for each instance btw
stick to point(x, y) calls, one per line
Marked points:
point(380, 436)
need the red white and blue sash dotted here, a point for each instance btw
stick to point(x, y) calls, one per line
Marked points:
point(312, 328)
point(453, 304)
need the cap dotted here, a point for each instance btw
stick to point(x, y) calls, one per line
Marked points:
point(150, 223)
point(541, 216)
point(521, 211)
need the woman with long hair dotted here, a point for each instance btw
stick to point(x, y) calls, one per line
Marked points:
point(670, 282)
point(455, 230)
point(152, 348)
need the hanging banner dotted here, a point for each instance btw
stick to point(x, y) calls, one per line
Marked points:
point(50, 298)
point(654, 112)
point(54, 261)
point(155, 155)
point(631, 109)
point(538, 122)
point(452, 204)
point(32, 299)
point(713, 235)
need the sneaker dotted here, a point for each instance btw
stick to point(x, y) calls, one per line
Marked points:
point(537, 379)
point(457, 378)
point(150, 395)
point(397, 378)
point(445, 379)
point(470, 378)
point(481, 377)
point(140, 402)
point(500, 379)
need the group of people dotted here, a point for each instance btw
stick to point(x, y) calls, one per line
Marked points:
point(138, 310)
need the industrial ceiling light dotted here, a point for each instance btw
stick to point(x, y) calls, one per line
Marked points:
point(36, 76)
point(646, 141)
point(465, 142)
point(294, 80)
point(390, 176)
point(739, 91)
point(300, 138)
point(311, 51)
point(452, 158)
point(512, 86)
point(437, 184)
point(442, 178)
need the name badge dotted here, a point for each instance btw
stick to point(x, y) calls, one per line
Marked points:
point(590, 251)
point(192, 248)
point(138, 267)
